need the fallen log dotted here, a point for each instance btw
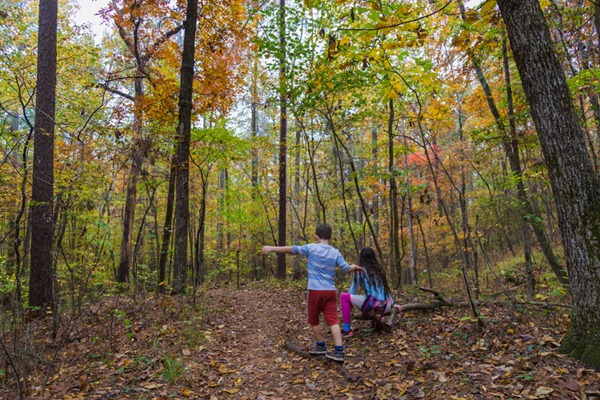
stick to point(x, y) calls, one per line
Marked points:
point(437, 304)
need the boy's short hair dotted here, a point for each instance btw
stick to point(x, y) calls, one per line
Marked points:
point(324, 231)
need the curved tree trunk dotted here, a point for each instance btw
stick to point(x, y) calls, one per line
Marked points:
point(574, 184)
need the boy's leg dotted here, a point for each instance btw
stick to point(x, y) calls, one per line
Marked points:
point(337, 334)
point(331, 316)
point(313, 311)
point(318, 332)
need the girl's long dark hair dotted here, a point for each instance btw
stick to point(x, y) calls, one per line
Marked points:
point(374, 274)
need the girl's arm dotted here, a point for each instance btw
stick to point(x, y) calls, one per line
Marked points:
point(356, 279)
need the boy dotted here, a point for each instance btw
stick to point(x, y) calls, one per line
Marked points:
point(321, 260)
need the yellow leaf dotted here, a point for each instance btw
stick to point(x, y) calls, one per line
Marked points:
point(231, 391)
point(224, 370)
point(151, 385)
point(392, 94)
point(187, 392)
point(343, 41)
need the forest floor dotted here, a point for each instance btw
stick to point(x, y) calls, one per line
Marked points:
point(249, 343)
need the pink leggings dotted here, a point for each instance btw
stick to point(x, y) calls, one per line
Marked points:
point(346, 304)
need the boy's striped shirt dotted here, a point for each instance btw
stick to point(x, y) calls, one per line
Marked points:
point(321, 260)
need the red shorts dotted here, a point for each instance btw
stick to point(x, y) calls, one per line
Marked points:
point(322, 301)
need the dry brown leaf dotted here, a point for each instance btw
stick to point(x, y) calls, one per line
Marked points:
point(571, 384)
point(543, 391)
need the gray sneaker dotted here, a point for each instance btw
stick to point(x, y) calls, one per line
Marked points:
point(318, 350)
point(336, 355)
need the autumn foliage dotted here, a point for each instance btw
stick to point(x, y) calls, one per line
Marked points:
point(408, 131)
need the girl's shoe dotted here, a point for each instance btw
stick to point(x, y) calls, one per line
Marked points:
point(347, 334)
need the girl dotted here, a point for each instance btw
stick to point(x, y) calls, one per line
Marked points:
point(374, 283)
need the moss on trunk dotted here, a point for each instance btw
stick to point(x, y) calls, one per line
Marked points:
point(583, 348)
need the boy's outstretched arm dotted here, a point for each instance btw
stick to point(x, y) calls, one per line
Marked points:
point(277, 249)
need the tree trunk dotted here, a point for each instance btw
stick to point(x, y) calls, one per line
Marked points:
point(411, 233)
point(395, 257)
point(425, 250)
point(167, 231)
point(468, 248)
point(182, 156)
point(282, 223)
point(255, 260)
point(128, 219)
point(313, 169)
point(511, 148)
point(363, 203)
point(375, 201)
point(574, 184)
point(298, 267)
point(200, 264)
point(597, 20)
point(41, 212)
point(222, 209)
point(340, 162)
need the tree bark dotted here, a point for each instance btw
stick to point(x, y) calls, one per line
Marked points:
point(298, 267)
point(282, 223)
point(363, 203)
point(128, 218)
point(167, 232)
point(375, 201)
point(574, 184)
point(511, 148)
point(340, 162)
point(182, 156)
point(411, 231)
point(41, 212)
point(597, 20)
point(200, 263)
point(395, 256)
